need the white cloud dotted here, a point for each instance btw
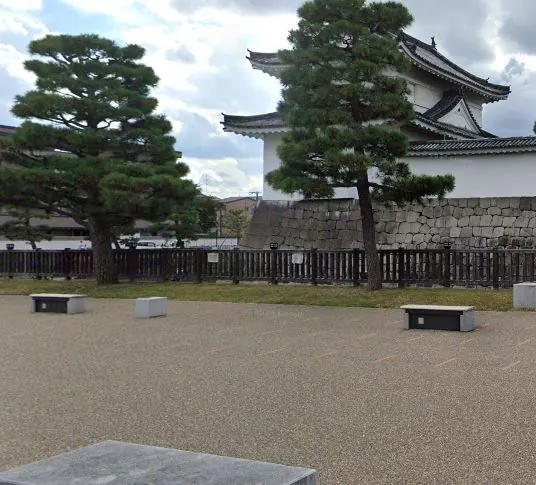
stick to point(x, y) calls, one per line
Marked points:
point(216, 77)
point(223, 178)
point(21, 5)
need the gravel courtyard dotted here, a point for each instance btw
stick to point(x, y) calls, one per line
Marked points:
point(345, 391)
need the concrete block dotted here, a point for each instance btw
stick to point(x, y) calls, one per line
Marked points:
point(155, 306)
point(525, 296)
point(57, 303)
point(118, 463)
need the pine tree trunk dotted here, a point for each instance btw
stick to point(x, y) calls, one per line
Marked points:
point(374, 276)
point(104, 267)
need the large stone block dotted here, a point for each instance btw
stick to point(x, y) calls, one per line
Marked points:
point(131, 464)
point(412, 216)
point(448, 210)
point(487, 232)
point(455, 231)
point(425, 228)
point(404, 228)
point(474, 221)
point(525, 296)
point(521, 222)
point(498, 232)
point(463, 222)
point(494, 211)
point(428, 212)
point(466, 232)
point(486, 220)
point(457, 212)
point(418, 238)
point(155, 306)
point(497, 221)
point(514, 202)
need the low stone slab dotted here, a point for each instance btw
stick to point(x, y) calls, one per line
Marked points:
point(155, 306)
point(525, 296)
point(115, 463)
point(439, 317)
point(57, 303)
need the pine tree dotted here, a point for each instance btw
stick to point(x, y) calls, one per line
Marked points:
point(345, 111)
point(194, 217)
point(26, 226)
point(92, 146)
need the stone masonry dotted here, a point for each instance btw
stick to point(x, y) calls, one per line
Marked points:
point(508, 222)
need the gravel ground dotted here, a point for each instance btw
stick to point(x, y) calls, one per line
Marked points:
point(345, 391)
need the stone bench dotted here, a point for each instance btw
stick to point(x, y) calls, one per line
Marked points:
point(438, 317)
point(58, 303)
point(125, 463)
point(154, 306)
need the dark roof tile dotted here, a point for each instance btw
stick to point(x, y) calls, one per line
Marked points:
point(521, 143)
point(424, 56)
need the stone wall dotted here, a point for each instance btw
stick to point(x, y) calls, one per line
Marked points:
point(467, 223)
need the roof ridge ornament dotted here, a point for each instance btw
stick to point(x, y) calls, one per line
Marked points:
point(434, 44)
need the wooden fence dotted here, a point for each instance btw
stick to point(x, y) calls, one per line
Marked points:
point(496, 268)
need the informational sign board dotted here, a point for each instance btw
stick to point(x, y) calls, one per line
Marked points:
point(213, 257)
point(297, 258)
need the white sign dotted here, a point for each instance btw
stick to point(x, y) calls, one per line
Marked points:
point(297, 258)
point(213, 257)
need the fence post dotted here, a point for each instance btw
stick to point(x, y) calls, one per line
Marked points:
point(38, 265)
point(447, 260)
point(273, 263)
point(132, 265)
point(165, 264)
point(198, 261)
point(496, 268)
point(67, 263)
point(10, 259)
point(355, 267)
point(314, 266)
point(236, 265)
point(401, 273)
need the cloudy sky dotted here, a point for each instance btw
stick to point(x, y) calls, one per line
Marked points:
point(199, 47)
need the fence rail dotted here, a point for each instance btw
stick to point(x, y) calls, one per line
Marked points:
point(497, 268)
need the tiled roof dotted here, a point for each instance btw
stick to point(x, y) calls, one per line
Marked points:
point(445, 105)
point(447, 129)
point(483, 145)
point(420, 54)
point(268, 120)
point(271, 121)
point(6, 130)
point(428, 58)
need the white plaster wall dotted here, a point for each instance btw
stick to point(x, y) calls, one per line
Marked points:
point(504, 175)
point(271, 162)
point(460, 116)
point(426, 96)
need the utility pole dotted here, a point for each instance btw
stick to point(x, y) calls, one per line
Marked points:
point(256, 193)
